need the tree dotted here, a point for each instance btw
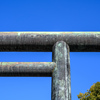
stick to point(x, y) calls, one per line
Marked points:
point(92, 94)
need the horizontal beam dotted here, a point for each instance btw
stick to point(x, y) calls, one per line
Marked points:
point(43, 41)
point(26, 68)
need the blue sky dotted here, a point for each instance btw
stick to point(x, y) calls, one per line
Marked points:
point(49, 15)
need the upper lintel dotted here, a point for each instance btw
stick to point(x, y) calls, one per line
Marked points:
point(43, 41)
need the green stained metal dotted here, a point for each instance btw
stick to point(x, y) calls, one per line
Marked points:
point(59, 44)
point(24, 68)
point(19, 34)
point(7, 63)
point(60, 76)
point(43, 41)
point(52, 32)
point(37, 33)
point(60, 67)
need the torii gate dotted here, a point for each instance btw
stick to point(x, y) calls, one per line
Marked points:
point(60, 44)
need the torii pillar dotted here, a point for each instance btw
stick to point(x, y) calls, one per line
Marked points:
point(61, 82)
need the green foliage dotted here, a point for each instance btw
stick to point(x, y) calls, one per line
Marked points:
point(92, 94)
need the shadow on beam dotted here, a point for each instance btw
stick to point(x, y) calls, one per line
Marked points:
point(48, 48)
point(25, 74)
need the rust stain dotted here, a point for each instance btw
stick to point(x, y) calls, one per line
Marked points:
point(54, 67)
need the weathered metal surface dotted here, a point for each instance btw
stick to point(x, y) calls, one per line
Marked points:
point(26, 68)
point(43, 41)
point(61, 85)
point(69, 74)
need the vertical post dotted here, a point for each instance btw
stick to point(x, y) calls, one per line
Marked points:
point(61, 89)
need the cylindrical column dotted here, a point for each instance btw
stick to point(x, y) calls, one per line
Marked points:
point(43, 41)
point(61, 89)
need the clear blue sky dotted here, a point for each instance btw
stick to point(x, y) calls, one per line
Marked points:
point(49, 15)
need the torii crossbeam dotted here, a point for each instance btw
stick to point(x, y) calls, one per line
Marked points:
point(60, 44)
